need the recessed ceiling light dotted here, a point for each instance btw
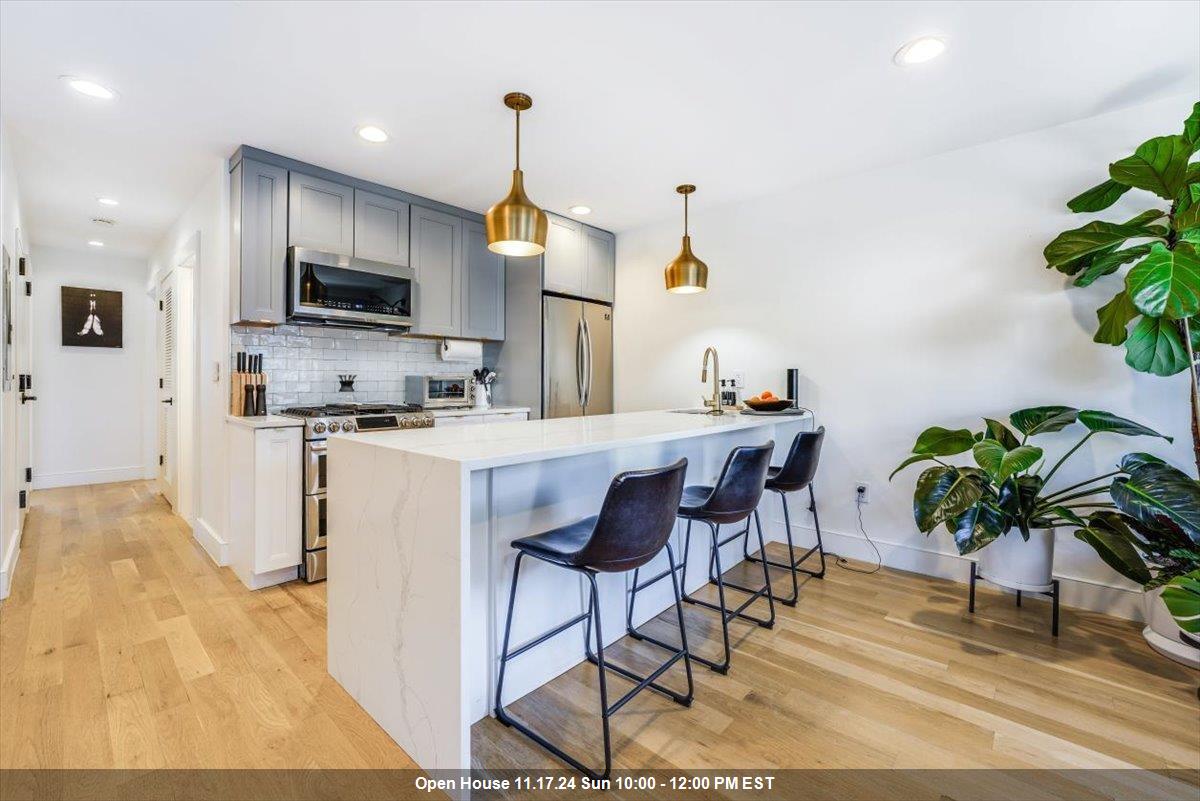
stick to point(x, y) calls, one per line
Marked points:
point(918, 51)
point(372, 133)
point(89, 88)
point(580, 209)
point(96, 243)
point(108, 201)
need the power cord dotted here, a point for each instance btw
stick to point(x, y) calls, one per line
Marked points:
point(842, 562)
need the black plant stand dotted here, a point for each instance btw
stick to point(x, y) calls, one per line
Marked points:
point(1052, 595)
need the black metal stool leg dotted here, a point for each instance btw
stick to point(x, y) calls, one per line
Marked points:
point(794, 563)
point(755, 593)
point(512, 598)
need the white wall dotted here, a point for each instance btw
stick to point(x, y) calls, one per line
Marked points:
point(909, 296)
point(91, 422)
point(205, 226)
point(11, 476)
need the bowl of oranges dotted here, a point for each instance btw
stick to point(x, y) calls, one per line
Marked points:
point(768, 401)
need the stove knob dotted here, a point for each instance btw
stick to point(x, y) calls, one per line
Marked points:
point(347, 426)
point(318, 428)
point(333, 427)
point(406, 422)
point(427, 422)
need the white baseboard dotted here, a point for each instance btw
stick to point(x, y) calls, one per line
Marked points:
point(1077, 592)
point(216, 548)
point(75, 478)
point(8, 566)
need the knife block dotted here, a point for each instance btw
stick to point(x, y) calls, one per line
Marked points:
point(237, 389)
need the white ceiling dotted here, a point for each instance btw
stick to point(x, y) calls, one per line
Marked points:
point(630, 99)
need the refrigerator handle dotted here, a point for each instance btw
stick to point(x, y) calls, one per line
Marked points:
point(587, 344)
point(579, 361)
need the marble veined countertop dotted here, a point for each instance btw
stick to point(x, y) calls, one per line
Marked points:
point(515, 442)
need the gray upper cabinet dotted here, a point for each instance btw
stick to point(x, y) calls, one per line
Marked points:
point(320, 214)
point(380, 228)
point(599, 263)
point(563, 261)
point(258, 243)
point(482, 286)
point(437, 261)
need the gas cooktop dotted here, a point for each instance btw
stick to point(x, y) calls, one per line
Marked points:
point(319, 421)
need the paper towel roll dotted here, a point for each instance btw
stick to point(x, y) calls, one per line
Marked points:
point(461, 350)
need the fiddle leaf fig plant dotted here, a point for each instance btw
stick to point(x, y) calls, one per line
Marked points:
point(1153, 314)
point(1152, 534)
point(1005, 488)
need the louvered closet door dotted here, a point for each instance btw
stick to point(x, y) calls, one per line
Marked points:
point(167, 406)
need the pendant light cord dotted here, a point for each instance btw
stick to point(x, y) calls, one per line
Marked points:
point(685, 215)
point(518, 138)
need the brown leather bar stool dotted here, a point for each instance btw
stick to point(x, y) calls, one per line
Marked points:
point(634, 525)
point(795, 475)
point(731, 500)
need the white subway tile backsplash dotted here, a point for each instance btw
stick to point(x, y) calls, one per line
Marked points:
point(303, 363)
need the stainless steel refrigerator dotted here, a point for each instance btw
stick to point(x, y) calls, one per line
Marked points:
point(577, 368)
point(557, 353)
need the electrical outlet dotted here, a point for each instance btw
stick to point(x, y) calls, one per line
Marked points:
point(862, 492)
point(739, 378)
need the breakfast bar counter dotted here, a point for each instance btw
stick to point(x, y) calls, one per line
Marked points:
point(420, 557)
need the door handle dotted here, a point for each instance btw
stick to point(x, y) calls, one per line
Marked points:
point(587, 343)
point(169, 401)
point(579, 361)
point(26, 398)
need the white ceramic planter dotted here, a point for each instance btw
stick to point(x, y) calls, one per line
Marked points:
point(1012, 562)
point(1162, 632)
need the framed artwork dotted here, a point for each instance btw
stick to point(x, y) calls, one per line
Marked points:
point(91, 318)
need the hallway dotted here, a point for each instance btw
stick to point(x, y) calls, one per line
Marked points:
point(122, 645)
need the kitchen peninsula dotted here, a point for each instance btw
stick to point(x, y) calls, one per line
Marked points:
point(420, 558)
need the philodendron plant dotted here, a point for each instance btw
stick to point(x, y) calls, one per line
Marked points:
point(1152, 535)
point(1161, 246)
point(1005, 488)
point(1182, 597)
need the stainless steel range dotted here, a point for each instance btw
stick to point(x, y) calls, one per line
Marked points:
point(319, 423)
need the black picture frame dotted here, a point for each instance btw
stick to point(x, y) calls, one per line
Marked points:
point(91, 318)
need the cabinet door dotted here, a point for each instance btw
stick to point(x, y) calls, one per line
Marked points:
point(258, 207)
point(278, 496)
point(380, 228)
point(599, 264)
point(437, 263)
point(564, 256)
point(483, 286)
point(320, 214)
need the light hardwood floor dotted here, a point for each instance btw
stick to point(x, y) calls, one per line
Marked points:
point(123, 646)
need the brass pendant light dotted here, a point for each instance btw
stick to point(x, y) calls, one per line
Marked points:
point(515, 226)
point(686, 274)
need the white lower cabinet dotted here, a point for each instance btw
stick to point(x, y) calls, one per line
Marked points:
point(266, 494)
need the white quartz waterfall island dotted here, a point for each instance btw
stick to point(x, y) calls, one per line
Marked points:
point(420, 524)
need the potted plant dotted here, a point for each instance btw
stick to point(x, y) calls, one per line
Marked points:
point(1005, 489)
point(1152, 537)
point(1159, 250)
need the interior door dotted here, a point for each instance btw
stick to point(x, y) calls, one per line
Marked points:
point(168, 423)
point(23, 356)
point(598, 388)
point(562, 357)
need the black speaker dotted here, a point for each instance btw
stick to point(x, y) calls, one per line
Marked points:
point(793, 385)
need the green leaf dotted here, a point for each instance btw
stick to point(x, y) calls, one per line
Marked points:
point(1191, 128)
point(1042, 419)
point(1154, 346)
point(1182, 597)
point(1114, 547)
point(942, 492)
point(1098, 198)
point(1110, 423)
point(1067, 514)
point(1132, 461)
point(1166, 283)
point(1114, 319)
point(1001, 462)
point(1108, 263)
point(1018, 498)
point(976, 527)
point(1189, 217)
point(940, 441)
point(1158, 165)
point(916, 457)
point(1001, 433)
point(1155, 491)
point(1072, 245)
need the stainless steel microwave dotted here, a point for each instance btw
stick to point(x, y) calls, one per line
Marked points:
point(339, 290)
point(438, 391)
